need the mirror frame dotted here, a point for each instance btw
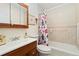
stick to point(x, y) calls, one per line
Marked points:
point(23, 26)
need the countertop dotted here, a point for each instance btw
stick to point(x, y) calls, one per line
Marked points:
point(10, 46)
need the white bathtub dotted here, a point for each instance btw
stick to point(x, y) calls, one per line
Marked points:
point(62, 49)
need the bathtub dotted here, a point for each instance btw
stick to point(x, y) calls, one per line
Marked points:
point(63, 49)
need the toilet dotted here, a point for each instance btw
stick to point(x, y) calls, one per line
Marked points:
point(43, 50)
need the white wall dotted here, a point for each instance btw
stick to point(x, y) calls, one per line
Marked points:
point(33, 9)
point(62, 24)
point(33, 30)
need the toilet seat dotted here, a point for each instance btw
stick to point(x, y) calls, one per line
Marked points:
point(44, 49)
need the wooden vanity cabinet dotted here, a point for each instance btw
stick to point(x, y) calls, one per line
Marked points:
point(27, 50)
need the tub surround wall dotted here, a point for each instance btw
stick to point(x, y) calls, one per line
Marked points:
point(78, 35)
point(62, 34)
point(62, 24)
point(77, 9)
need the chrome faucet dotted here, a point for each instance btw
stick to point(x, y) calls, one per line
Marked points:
point(25, 36)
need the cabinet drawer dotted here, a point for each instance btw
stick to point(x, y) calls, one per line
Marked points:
point(23, 50)
point(33, 52)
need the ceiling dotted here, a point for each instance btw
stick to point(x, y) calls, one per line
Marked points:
point(48, 5)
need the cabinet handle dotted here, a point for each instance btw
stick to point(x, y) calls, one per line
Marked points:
point(33, 53)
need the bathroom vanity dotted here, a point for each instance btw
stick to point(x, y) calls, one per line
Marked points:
point(23, 47)
point(16, 16)
point(27, 50)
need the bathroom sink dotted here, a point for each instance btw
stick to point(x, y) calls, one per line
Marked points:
point(19, 41)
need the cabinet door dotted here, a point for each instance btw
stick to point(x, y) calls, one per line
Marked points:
point(15, 13)
point(5, 13)
point(33, 52)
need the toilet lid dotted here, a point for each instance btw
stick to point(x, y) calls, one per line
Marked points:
point(43, 48)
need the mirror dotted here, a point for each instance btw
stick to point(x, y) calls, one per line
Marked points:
point(13, 15)
point(19, 15)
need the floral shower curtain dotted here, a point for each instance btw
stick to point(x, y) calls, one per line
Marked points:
point(43, 33)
